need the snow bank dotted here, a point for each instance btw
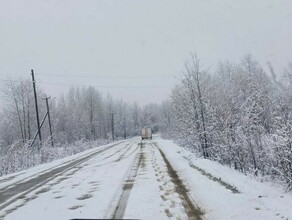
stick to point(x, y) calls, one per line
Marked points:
point(255, 200)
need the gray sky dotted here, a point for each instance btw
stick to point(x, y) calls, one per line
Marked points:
point(115, 44)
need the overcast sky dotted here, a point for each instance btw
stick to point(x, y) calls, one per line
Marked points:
point(133, 48)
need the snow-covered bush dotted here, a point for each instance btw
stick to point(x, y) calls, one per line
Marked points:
point(238, 116)
point(21, 156)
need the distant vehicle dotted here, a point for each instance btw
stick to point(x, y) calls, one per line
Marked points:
point(146, 133)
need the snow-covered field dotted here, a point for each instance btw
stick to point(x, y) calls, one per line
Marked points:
point(130, 180)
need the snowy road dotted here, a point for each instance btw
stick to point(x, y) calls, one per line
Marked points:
point(20, 189)
point(108, 182)
point(153, 180)
point(152, 189)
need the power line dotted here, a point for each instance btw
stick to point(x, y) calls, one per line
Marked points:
point(108, 76)
point(97, 86)
point(109, 87)
point(9, 80)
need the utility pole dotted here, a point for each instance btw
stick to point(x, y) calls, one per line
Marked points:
point(49, 119)
point(36, 107)
point(125, 127)
point(113, 127)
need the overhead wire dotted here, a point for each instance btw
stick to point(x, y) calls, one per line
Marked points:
point(107, 76)
point(97, 86)
point(105, 86)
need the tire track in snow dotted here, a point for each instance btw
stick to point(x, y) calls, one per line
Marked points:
point(120, 207)
point(122, 154)
point(228, 186)
point(6, 187)
point(11, 194)
point(193, 211)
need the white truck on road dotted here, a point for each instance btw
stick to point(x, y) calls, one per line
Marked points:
point(146, 133)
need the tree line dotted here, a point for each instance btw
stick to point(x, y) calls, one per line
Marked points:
point(82, 118)
point(84, 113)
point(239, 115)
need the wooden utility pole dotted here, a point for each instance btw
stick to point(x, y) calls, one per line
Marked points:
point(113, 127)
point(125, 127)
point(49, 119)
point(36, 107)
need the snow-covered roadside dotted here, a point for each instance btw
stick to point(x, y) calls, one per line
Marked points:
point(32, 172)
point(86, 191)
point(256, 200)
point(90, 189)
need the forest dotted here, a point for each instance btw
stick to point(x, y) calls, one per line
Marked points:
point(239, 115)
point(79, 119)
